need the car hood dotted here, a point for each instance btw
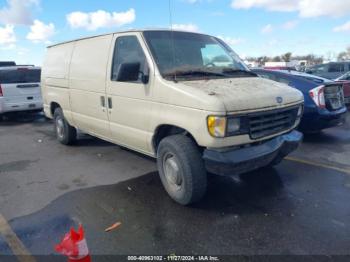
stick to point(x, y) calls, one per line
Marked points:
point(250, 93)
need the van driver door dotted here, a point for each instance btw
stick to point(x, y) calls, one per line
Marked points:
point(130, 100)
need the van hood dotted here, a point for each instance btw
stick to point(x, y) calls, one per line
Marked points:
point(251, 93)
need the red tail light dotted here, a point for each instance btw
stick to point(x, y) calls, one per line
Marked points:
point(1, 94)
point(317, 94)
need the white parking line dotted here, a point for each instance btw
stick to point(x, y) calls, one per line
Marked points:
point(14, 242)
point(307, 162)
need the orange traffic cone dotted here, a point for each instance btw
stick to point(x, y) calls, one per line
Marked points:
point(74, 246)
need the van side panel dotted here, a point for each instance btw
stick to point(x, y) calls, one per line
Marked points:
point(54, 79)
point(88, 85)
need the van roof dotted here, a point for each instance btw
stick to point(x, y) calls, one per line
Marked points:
point(120, 32)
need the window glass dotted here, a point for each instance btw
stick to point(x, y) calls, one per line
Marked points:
point(345, 77)
point(320, 69)
point(214, 55)
point(18, 76)
point(335, 68)
point(128, 50)
point(180, 53)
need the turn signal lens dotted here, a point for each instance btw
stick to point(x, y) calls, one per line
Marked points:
point(217, 126)
point(300, 110)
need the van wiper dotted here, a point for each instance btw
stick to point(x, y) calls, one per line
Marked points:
point(194, 72)
point(238, 72)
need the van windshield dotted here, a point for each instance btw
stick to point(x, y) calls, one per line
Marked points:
point(17, 76)
point(188, 56)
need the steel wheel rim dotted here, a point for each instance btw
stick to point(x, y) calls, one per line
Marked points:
point(60, 127)
point(172, 172)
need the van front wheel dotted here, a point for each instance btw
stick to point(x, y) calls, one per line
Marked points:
point(65, 133)
point(181, 169)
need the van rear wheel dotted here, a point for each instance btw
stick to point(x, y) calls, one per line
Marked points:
point(181, 169)
point(65, 133)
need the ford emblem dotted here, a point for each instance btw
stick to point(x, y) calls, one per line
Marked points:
point(279, 100)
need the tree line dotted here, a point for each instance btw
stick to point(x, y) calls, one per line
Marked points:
point(310, 58)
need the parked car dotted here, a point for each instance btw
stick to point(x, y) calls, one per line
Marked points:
point(324, 99)
point(183, 98)
point(7, 63)
point(331, 70)
point(20, 89)
point(345, 80)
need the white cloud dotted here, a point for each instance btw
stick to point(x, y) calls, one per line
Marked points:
point(8, 47)
point(342, 28)
point(40, 32)
point(17, 12)
point(100, 19)
point(305, 8)
point(315, 8)
point(267, 29)
point(272, 5)
point(232, 41)
point(290, 25)
point(7, 35)
point(186, 27)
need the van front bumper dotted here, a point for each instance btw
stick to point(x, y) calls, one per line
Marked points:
point(242, 160)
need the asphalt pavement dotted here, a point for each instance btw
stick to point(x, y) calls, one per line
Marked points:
point(301, 207)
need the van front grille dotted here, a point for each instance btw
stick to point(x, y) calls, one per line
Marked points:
point(272, 122)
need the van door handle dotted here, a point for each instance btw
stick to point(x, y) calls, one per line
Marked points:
point(103, 101)
point(110, 104)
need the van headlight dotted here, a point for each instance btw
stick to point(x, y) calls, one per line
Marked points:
point(233, 125)
point(221, 126)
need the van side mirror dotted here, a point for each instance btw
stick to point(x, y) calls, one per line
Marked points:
point(145, 76)
point(129, 72)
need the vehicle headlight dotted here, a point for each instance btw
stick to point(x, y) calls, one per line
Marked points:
point(220, 126)
point(233, 125)
point(217, 126)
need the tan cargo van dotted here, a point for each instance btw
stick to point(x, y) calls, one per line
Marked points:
point(183, 98)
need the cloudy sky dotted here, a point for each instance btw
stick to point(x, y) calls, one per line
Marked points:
point(251, 27)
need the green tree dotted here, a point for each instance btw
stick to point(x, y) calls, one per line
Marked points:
point(276, 59)
point(287, 57)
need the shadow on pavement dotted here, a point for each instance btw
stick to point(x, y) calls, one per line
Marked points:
point(20, 118)
point(151, 221)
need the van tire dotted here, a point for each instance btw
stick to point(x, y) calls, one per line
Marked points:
point(181, 169)
point(65, 133)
